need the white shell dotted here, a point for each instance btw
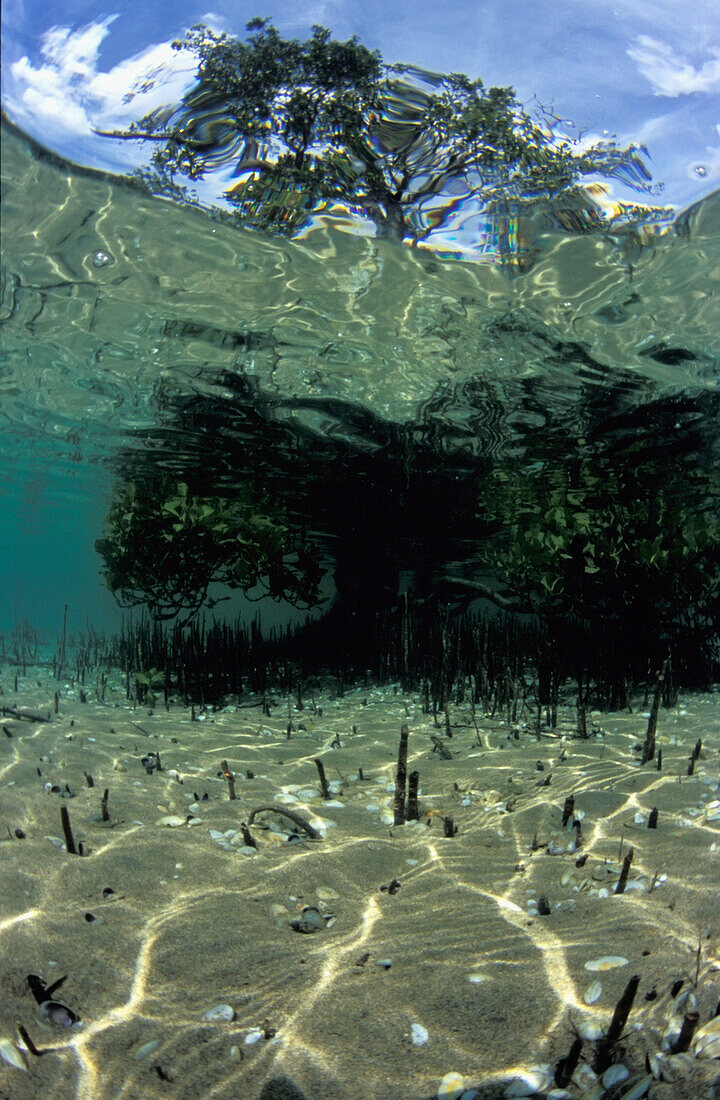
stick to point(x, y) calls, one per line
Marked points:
point(584, 1077)
point(531, 1081)
point(419, 1035)
point(592, 993)
point(706, 1041)
point(452, 1087)
point(686, 1002)
point(613, 1074)
point(590, 1030)
point(639, 1089)
point(10, 1054)
point(606, 962)
point(172, 821)
point(219, 1012)
point(147, 1048)
point(656, 1064)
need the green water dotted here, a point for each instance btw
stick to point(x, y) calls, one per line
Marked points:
point(139, 334)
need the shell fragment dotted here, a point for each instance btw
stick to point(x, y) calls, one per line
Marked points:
point(606, 962)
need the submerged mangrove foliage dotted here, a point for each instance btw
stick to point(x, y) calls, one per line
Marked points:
point(613, 555)
point(165, 544)
point(594, 537)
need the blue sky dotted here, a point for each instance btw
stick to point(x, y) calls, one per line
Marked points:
point(646, 70)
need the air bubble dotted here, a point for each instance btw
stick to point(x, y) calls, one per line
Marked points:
point(101, 259)
point(700, 170)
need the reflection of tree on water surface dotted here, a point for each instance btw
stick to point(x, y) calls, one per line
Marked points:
point(603, 521)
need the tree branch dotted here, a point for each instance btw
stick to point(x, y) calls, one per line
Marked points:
point(144, 135)
point(481, 591)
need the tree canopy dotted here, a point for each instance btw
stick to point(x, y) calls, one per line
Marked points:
point(165, 544)
point(311, 123)
point(602, 539)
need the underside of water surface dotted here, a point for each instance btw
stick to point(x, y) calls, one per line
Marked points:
point(536, 428)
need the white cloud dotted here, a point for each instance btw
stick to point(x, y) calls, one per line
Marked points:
point(45, 96)
point(75, 53)
point(669, 73)
point(67, 88)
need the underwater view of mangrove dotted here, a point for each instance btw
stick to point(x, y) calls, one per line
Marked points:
point(360, 557)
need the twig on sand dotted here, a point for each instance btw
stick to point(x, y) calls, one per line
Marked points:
point(296, 818)
point(13, 712)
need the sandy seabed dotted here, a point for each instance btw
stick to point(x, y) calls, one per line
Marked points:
point(434, 968)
